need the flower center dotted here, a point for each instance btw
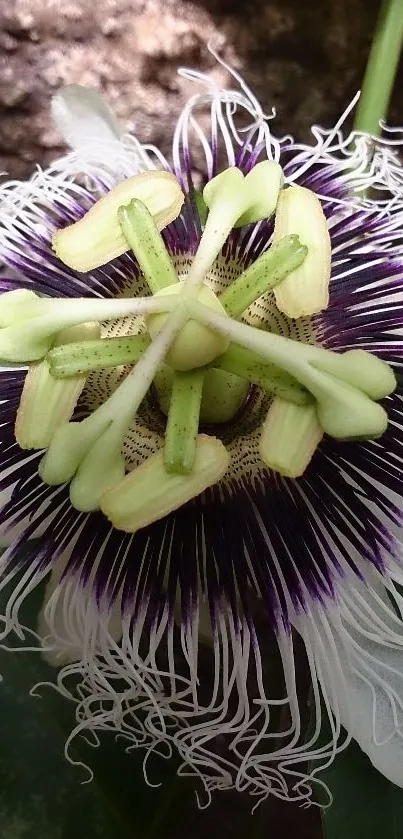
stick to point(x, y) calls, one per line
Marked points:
point(200, 352)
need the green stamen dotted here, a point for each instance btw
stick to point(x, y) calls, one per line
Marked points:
point(86, 356)
point(147, 244)
point(183, 422)
point(343, 411)
point(264, 274)
point(32, 339)
point(250, 366)
point(290, 437)
point(72, 442)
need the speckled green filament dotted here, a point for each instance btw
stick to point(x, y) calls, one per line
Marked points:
point(264, 274)
point(85, 356)
point(248, 365)
point(147, 244)
point(183, 421)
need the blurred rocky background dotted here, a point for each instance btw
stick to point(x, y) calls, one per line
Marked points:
point(305, 58)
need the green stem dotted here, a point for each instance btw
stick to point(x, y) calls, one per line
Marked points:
point(381, 68)
point(201, 207)
point(264, 274)
point(183, 422)
point(248, 365)
point(85, 356)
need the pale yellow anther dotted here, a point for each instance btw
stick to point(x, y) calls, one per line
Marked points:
point(290, 437)
point(46, 403)
point(149, 492)
point(305, 291)
point(97, 237)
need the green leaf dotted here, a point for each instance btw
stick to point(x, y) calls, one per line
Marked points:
point(365, 805)
point(42, 795)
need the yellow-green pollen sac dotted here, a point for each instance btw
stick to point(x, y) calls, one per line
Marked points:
point(194, 348)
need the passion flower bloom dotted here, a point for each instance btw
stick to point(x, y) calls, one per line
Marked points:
point(178, 611)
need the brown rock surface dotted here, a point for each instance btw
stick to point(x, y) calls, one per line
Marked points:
point(306, 59)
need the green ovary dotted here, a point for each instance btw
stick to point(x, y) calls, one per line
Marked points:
point(222, 397)
point(196, 345)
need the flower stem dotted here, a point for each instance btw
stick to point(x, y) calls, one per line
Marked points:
point(183, 422)
point(86, 356)
point(381, 68)
point(264, 274)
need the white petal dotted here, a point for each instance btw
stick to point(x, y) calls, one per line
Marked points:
point(358, 649)
point(82, 117)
